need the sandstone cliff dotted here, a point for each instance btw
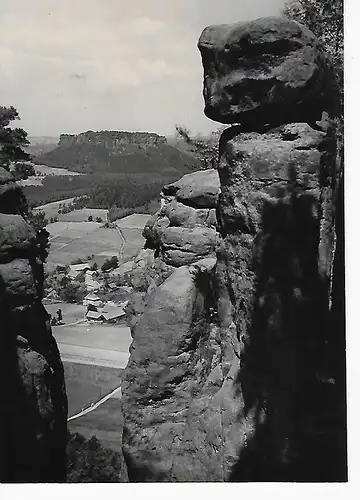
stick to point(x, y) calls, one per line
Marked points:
point(33, 409)
point(113, 140)
point(236, 370)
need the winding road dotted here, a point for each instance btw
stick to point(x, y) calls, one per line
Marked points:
point(93, 406)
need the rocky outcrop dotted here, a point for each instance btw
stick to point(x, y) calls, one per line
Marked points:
point(236, 368)
point(184, 230)
point(112, 139)
point(33, 409)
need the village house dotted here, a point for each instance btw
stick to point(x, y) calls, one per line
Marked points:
point(90, 283)
point(77, 269)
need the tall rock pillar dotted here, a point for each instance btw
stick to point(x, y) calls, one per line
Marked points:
point(33, 406)
point(236, 367)
point(279, 173)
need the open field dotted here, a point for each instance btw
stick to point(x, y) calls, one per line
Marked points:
point(70, 312)
point(73, 240)
point(51, 209)
point(106, 423)
point(134, 221)
point(83, 214)
point(86, 384)
point(97, 336)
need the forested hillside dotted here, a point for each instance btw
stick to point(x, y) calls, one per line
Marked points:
point(102, 190)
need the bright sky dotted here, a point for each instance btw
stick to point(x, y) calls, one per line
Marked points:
point(74, 65)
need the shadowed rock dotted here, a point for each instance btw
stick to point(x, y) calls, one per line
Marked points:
point(33, 408)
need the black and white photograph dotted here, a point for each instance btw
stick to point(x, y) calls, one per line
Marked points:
point(172, 243)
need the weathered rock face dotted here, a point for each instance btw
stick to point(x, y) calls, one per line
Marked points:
point(269, 71)
point(235, 369)
point(33, 410)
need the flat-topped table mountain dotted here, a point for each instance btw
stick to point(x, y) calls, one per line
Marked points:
point(116, 151)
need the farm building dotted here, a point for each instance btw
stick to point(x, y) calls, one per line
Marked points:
point(113, 313)
point(92, 300)
point(109, 314)
point(94, 315)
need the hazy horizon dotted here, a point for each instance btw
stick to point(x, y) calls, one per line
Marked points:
point(73, 66)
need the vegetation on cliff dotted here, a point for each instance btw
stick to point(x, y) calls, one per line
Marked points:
point(325, 18)
point(12, 140)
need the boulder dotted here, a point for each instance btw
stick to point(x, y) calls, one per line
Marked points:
point(181, 245)
point(198, 189)
point(269, 71)
point(184, 216)
point(16, 237)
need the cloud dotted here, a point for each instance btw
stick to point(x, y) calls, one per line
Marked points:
point(88, 64)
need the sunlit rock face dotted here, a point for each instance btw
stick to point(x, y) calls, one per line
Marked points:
point(33, 408)
point(268, 71)
point(184, 230)
point(236, 370)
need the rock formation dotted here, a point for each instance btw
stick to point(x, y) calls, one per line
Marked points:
point(236, 370)
point(33, 408)
point(120, 152)
point(113, 140)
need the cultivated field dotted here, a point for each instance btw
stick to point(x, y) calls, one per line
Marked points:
point(94, 377)
point(131, 228)
point(94, 344)
point(44, 170)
